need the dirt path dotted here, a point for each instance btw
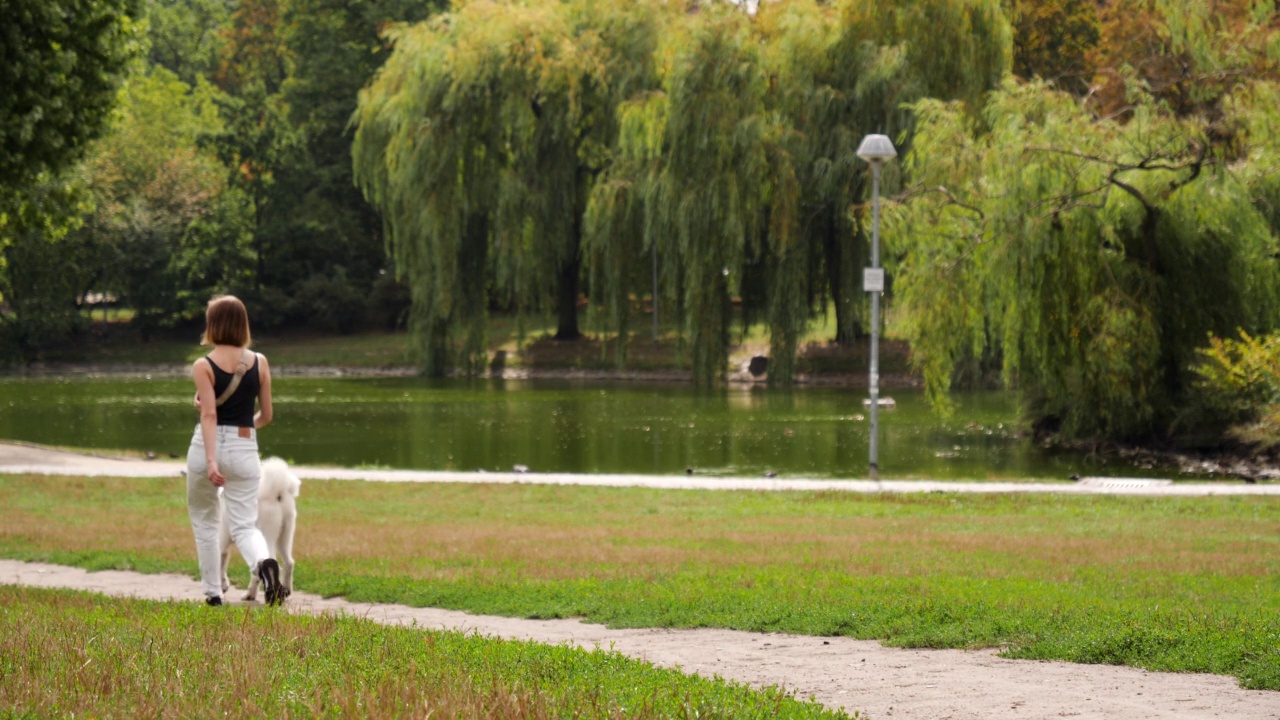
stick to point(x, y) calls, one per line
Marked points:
point(25, 458)
point(855, 675)
point(864, 676)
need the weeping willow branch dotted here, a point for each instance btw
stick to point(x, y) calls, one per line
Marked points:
point(1158, 161)
point(919, 192)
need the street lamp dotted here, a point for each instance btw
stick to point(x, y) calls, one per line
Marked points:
point(875, 149)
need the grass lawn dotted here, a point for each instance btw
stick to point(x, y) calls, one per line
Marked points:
point(363, 350)
point(68, 654)
point(1181, 584)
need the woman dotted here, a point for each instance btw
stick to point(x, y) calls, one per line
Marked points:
point(224, 450)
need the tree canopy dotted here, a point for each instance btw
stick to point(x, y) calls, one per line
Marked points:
point(741, 167)
point(506, 143)
point(252, 195)
point(60, 64)
point(151, 183)
point(479, 140)
point(1088, 247)
point(1091, 257)
point(1087, 191)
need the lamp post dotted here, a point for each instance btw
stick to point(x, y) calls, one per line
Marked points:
point(876, 150)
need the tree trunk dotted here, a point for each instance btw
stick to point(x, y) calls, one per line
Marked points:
point(435, 363)
point(569, 274)
point(567, 300)
point(839, 259)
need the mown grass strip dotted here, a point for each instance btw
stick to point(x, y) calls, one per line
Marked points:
point(1179, 584)
point(74, 654)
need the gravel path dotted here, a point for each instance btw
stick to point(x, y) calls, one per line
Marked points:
point(864, 676)
point(854, 675)
point(24, 458)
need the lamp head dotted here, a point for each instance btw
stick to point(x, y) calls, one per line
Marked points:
point(876, 149)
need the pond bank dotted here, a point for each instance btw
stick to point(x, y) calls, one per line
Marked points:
point(739, 377)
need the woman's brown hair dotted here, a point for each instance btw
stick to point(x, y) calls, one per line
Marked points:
point(226, 322)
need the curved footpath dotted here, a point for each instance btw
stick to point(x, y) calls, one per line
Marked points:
point(855, 675)
point(25, 458)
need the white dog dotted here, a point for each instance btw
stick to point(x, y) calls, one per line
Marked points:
point(277, 519)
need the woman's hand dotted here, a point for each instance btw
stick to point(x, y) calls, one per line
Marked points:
point(215, 476)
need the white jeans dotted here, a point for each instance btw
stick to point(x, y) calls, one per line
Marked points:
point(238, 461)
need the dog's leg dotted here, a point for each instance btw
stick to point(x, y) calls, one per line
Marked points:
point(224, 544)
point(285, 550)
point(253, 587)
point(254, 581)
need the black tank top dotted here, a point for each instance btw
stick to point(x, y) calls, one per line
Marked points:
point(239, 408)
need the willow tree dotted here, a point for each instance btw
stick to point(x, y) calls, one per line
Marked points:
point(848, 69)
point(418, 165)
point(479, 142)
point(1090, 256)
point(1255, 111)
point(697, 164)
point(599, 54)
point(739, 172)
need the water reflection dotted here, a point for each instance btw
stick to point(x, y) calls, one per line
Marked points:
point(555, 427)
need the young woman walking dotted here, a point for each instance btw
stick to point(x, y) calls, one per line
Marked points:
point(230, 380)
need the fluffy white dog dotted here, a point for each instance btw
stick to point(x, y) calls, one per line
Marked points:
point(277, 519)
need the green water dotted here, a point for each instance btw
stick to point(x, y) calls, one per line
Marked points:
point(557, 426)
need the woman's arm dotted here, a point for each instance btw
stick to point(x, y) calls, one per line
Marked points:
point(263, 417)
point(208, 403)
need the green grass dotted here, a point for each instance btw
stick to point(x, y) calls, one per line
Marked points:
point(109, 316)
point(1178, 584)
point(365, 350)
point(362, 350)
point(129, 351)
point(81, 655)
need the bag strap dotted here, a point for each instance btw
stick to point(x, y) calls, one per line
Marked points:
point(242, 367)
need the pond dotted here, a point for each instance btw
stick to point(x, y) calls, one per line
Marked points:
point(559, 426)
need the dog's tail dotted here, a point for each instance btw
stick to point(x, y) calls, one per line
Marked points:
point(277, 478)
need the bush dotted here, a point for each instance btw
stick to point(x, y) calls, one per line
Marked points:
point(328, 304)
point(36, 329)
point(269, 308)
point(1239, 381)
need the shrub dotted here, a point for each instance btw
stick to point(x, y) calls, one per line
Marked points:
point(1239, 381)
point(329, 304)
point(268, 307)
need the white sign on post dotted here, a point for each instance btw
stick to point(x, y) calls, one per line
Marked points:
point(873, 279)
